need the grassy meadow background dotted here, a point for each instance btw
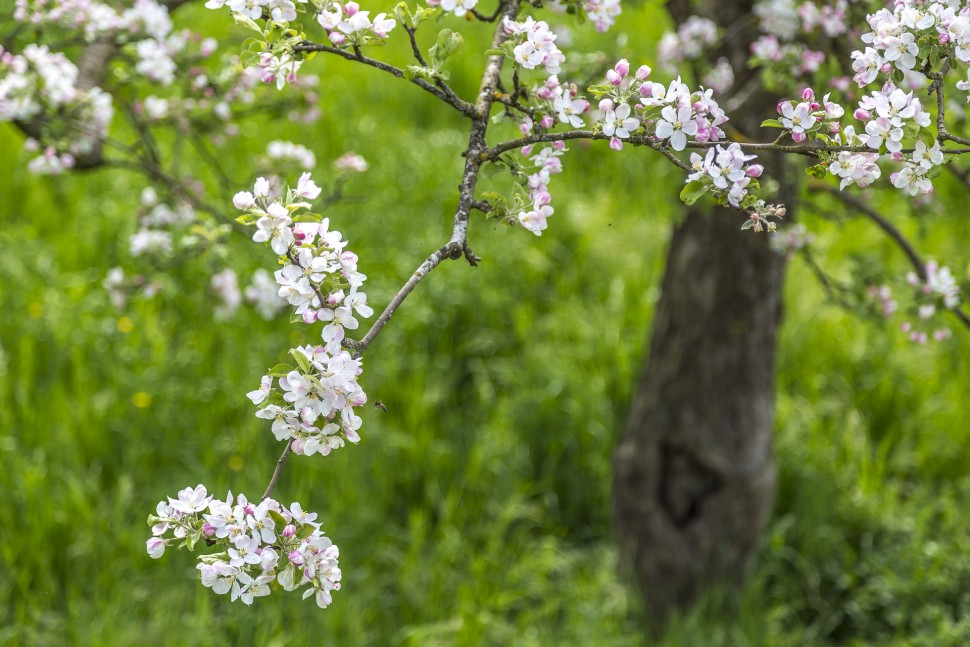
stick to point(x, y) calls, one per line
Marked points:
point(476, 511)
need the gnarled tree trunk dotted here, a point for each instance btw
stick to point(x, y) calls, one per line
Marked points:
point(694, 477)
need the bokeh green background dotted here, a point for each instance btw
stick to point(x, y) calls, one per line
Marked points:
point(477, 509)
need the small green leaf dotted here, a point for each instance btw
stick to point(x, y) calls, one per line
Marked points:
point(278, 519)
point(748, 224)
point(819, 171)
point(448, 43)
point(301, 359)
point(280, 370)
point(692, 192)
point(771, 123)
point(246, 22)
point(305, 531)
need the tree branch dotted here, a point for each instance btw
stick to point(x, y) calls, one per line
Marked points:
point(457, 246)
point(919, 265)
point(446, 95)
point(277, 471)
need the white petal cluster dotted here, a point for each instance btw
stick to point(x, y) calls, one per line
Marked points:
point(313, 408)
point(534, 44)
point(315, 402)
point(683, 113)
point(97, 19)
point(603, 13)
point(255, 545)
point(346, 24)
point(726, 169)
point(914, 176)
point(691, 41)
point(894, 42)
point(40, 82)
point(283, 151)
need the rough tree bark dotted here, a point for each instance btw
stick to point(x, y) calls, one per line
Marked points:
point(694, 476)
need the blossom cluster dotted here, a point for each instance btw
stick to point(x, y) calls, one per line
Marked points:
point(684, 113)
point(457, 7)
point(727, 171)
point(603, 13)
point(258, 547)
point(786, 19)
point(314, 405)
point(347, 25)
point(563, 101)
point(40, 82)
point(882, 297)
point(938, 289)
point(158, 222)
point(533, 44)
point(97, 20)
point(809, 116)
point(313, 409)
point(688, 43)
point(905, 37)
point(544, 164)
point(284, 151)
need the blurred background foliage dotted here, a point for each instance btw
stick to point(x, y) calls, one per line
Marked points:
point(477, 509)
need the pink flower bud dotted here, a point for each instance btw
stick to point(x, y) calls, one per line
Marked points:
point(897, 157)
point(799, 137)
point(542, 199)
point(351, 8)
point(808, 94)
point(606, 104)
point(208, 529)
point(616, 144)
point(525, 151)
point(337, 38)
point(779, 106)
point(296, 558)
point(905, 326)
point(560, 145)
point(755, 170)
point(525, 128)
point(289, 531)
point(643, 73)
point(309, 316)
point(622, 67)
point(861, 115)
point(613, 77)
point(156, 547)
point(646, 90)
point(886, 68)
point(944, 39)
point(547, 122)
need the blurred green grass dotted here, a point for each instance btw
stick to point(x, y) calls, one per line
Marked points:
point(476, 510)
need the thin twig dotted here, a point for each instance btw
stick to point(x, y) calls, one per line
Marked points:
point(919, 265)
point(276, 472)
point(447, 95)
